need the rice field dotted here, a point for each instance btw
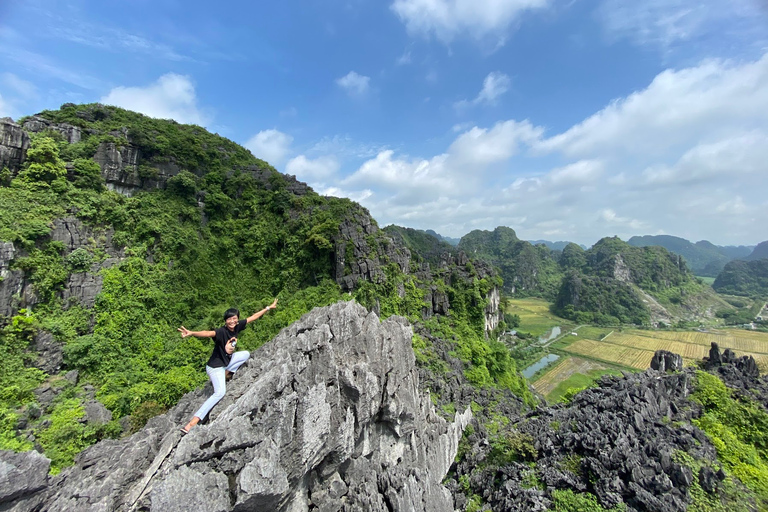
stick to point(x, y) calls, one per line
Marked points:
point(535, 317)
point(635, 348)
point(564, 370)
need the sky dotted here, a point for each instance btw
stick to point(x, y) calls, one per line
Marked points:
point(562, 119)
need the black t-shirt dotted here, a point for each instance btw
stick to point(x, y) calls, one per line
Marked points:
point(219, 357)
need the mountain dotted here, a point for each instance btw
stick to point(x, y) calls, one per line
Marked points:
point(703, 257)
point(527, 270)
point(614, 282)
point(424, 246)
point(554, 246)
point(760, 252)
point(116, 228)
point(453, 241)
point(747, 278)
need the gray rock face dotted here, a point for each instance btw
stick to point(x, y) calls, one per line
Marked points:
point(96, 413)
point(119, 167)
point(328, 416)
point(21, 474)
point(37, 124)
point(11, 281)
point(13, 145)
point(665, 361)
point(50, 357)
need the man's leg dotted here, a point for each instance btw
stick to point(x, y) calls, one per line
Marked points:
point(219, 389)
point(238, 358)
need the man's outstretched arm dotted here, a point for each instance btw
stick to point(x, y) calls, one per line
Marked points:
point(197, 334)
point(259, 314)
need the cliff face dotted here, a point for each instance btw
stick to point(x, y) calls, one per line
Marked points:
point(327, 416)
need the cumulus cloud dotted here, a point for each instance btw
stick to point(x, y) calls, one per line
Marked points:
point(270, 145)
point(313, 170)
point(354, 84)
point(679, 107)
point(448, 19)
point(494, 85)
point(685, 155)
point(171, 97)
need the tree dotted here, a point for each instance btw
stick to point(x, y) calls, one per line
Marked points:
point(44, 168)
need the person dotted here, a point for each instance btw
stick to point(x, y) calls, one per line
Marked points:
point(224, 361)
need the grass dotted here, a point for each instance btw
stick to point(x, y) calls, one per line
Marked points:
point(707, 280)
point(535, 317)
point(578, 380)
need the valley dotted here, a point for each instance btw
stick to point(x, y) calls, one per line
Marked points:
point(582, 354)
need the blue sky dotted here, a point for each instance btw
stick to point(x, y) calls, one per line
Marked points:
point(565, 120)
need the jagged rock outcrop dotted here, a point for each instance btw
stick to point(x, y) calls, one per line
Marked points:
point(21, 474)
point(13, 145)
point(665, 361)
point(619, 441)
point(327, 416)
point(119, 167)
point(11, 281)
point(70, 133)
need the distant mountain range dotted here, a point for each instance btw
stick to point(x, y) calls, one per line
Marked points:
point(453, 241)
point(555, 246)
point(703, 258)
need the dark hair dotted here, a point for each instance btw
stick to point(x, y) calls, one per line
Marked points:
point(231, 312)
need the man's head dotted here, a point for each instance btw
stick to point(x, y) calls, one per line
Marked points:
point(231, 317)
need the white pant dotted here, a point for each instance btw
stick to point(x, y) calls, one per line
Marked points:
point(219, 381)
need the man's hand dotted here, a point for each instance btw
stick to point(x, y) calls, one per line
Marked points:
point(273, 305)
point(184, 331)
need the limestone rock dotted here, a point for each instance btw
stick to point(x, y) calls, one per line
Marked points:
point(96, 413)
point(13, 145)
point(119, 167)
point(50, 357)
point(665, 361)
point(21, 474)
point(35, 124)
point(329, 416)
point(11, 281)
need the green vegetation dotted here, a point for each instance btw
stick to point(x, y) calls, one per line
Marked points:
point(566, 389)
point(746, 278)
point(604, 291)
point(566, 500)
point(527, 270)
point(738, 428)
point(729, 498)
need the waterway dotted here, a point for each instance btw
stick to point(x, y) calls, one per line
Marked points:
point(541, 363)
point(554, 333)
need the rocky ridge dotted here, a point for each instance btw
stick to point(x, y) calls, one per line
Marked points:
point(327, 416)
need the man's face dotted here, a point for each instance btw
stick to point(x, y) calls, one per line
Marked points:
point(231, 322)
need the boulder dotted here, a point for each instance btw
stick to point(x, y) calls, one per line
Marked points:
point(21, 474)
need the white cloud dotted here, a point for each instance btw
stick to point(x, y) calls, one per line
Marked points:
point(678, 108)
point(405, 58)
point(171, 97)
point(270, 145)
point(480, 146)
point(494, 85)
point(312, 171)
point(686, 156)
point(448, 19)
point(725, 159)
point(354, 83)
point(664, 23)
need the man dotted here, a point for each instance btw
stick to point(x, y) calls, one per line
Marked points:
point(224, 360)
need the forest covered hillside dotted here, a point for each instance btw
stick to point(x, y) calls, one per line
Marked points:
point(117, 228)
point(703, 257)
